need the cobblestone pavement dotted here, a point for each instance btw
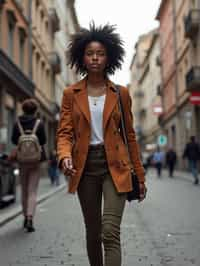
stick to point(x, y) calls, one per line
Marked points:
point(45, 191)
point(164, 230)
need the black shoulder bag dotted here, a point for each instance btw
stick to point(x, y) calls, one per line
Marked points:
point(135, 193)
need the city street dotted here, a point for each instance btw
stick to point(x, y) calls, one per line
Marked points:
point(163, 230)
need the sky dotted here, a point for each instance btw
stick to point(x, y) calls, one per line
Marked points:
point(131, 17)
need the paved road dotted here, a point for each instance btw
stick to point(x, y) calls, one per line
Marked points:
point(164, 230)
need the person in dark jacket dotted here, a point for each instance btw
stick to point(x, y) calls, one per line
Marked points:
point(192, 153)
point(29, 173)
point(171, 159)
point(53, 168)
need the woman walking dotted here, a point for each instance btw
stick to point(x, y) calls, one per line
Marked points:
point(29, 172)
point(90, 147)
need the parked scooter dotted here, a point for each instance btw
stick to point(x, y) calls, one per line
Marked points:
point(8, 175)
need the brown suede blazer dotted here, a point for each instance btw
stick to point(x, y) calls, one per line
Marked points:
point(73, 135)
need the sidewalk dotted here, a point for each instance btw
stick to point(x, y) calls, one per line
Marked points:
point(178, 174)
point(45, 191)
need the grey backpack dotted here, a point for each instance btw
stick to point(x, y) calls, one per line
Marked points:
point(28, 147)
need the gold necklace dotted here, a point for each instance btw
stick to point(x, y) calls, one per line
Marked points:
point(95, 99)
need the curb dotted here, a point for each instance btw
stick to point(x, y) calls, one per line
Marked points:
point(18, 210)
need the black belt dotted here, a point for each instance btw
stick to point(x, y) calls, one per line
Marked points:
point(99, 146)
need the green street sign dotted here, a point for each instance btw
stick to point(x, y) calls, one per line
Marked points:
point(162, 140)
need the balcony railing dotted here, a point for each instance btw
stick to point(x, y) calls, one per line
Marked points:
point(192, 23)
point(55, 62)
point(142, 112)
point(54, 19)
point(159, 90)
point(158, 60)
point(138, 94)
point(15, 75)
point(193, 79)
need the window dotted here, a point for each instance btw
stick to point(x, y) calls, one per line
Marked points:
point(10, 39)
point(11, 29)
point(22, 39)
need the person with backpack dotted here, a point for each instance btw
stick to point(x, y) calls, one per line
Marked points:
point(29, 136)
point(192, 153)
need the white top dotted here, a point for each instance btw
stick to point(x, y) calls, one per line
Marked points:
point(96, 105)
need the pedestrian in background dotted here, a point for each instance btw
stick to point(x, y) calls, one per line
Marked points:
point(29, 173)
point(53, 168)
point(158, 160)
point(90, 147)
point(171, 159)
point(192, 154)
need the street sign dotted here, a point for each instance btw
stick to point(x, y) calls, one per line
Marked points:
point(195, 98)
point(162, 140)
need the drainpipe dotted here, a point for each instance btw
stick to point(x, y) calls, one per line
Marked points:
point(175, 53)
point(177, 114)
point(30, 39)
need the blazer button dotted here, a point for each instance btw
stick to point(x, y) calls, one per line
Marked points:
point(117, 147)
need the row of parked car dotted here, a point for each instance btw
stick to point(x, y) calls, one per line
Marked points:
point(8, 179)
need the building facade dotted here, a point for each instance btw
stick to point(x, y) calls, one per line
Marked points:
point(68, 26)
point(169, 78)
point(145, 81)
point(15, 64)
point(46, 63)
point(34, 36)
point(180, 55)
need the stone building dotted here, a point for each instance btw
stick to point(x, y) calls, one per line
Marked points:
point(33, 40)
point(180, 59)
point(68, 26)
point(144, 86)
point(15, 64)
point(46, 63)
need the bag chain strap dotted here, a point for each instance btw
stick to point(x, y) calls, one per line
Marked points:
point(123, 127)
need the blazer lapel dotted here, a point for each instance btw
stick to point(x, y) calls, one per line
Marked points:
point(111, 101)
point(81, 99)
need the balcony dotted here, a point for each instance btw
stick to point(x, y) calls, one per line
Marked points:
point(138, 94)
point(158, 61)
point(55, 22)
point(14, 75)
point(159, 90)
point(192, 23)
point(55, 62)
point(142, 113)
point(161, 120)
point(193, 79)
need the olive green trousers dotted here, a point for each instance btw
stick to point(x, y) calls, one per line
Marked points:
point(102, 221)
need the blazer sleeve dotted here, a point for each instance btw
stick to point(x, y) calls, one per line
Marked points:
point(131, 137)
point(65, 127)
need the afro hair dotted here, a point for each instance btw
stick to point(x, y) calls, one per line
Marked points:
point(105, 35)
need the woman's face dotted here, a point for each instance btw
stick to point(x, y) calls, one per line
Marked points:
point(95, 57)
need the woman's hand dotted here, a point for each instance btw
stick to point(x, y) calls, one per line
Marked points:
point(67, 167)
point(143, 191)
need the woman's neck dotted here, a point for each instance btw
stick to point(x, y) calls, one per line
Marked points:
point(96, 81)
